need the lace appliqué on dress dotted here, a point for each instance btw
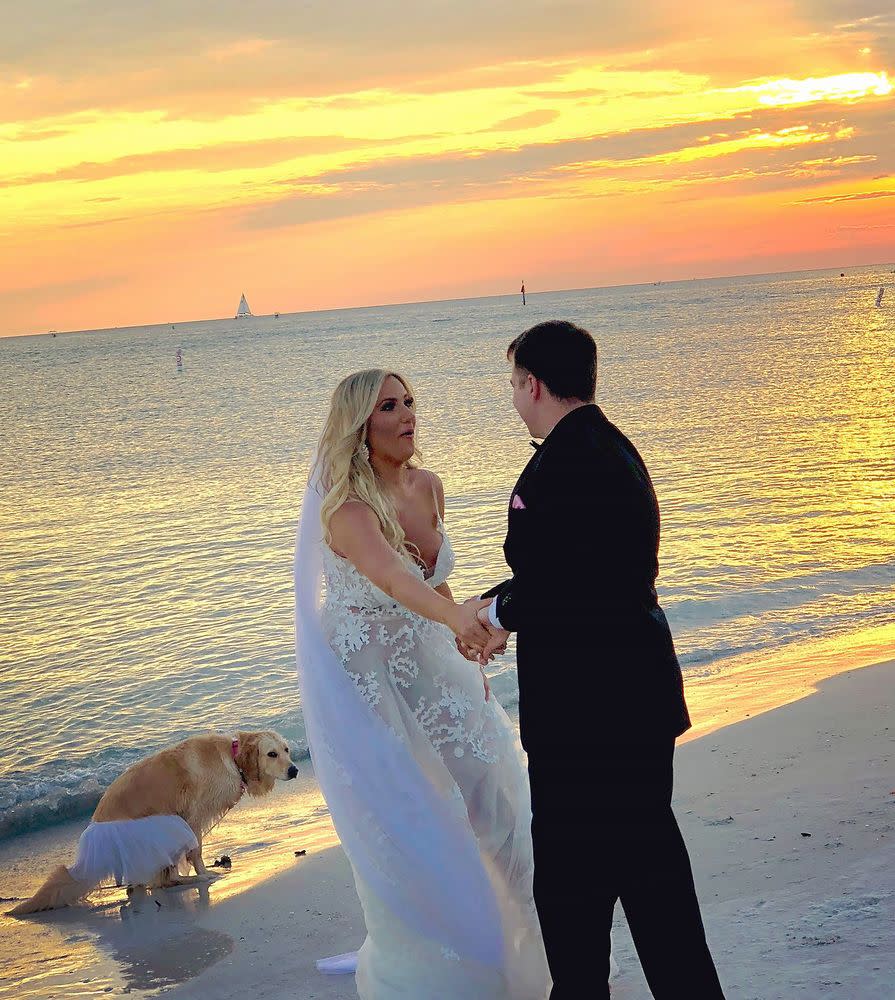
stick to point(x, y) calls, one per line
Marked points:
point(449, 710)
point(443, 721)
point(368, 685)
point(351, 633)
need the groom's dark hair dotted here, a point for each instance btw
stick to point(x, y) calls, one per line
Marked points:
point(562, 355)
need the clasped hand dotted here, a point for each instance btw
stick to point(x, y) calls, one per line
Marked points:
point(477, 639)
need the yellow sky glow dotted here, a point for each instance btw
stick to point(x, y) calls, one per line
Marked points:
point(105, 187)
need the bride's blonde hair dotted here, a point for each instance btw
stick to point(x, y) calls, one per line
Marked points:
point(343, 457)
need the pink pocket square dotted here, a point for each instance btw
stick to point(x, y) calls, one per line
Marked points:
point(517, 503)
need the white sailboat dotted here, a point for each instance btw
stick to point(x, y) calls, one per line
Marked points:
point(243, 309)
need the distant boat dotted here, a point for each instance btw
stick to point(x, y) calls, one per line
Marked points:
point(879, 295)
point(243, 309)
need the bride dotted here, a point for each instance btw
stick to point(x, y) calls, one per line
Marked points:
point(418, 764)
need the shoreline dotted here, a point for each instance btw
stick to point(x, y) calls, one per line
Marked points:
point(800, 746)
point(720, 693)
point(756, 683)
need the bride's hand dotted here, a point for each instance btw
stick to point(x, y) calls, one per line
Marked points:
point(470, 654)
point(474, 657)
point(465, 624)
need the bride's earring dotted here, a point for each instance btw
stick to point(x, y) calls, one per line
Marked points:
point(365, 452)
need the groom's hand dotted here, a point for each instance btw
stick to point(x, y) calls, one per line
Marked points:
point(497, 643)
point(497, 638)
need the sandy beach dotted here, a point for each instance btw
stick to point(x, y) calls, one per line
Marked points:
point(789, 813)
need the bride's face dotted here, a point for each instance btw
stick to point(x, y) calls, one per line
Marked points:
point(391, 428)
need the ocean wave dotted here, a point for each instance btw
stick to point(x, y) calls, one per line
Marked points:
point(49, 808)
point(777, 596)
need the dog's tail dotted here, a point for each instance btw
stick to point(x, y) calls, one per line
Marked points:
point(60, 889)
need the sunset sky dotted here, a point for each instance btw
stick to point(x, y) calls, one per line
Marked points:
point(158, 159)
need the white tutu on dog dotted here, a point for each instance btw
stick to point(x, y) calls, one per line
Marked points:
point(132, 851)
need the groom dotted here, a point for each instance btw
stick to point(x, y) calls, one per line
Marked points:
point(600, 692)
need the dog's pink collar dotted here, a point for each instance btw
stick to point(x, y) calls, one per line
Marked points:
point(234, 749)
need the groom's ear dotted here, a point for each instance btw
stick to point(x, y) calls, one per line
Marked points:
point(535, 387)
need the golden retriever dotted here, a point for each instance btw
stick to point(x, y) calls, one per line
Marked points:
point(151, 819)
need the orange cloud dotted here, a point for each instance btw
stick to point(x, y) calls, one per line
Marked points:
point(297, 150)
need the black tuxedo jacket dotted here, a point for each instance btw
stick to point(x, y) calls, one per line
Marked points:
point(595, 654)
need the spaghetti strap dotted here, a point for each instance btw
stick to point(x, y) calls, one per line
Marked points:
point(431, 476)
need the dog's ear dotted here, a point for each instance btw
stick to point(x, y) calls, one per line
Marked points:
point(247, 758)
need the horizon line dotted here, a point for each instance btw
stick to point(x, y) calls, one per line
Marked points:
point(411, 302)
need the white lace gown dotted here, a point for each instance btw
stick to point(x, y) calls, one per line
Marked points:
point(431, 702)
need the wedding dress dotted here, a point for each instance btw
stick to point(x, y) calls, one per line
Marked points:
point(425, 783)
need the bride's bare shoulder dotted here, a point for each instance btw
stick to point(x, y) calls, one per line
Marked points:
point(425, 478)
point(352, 512)
point(428, 482)
point(353, 518)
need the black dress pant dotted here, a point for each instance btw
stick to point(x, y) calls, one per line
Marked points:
point(604, 831)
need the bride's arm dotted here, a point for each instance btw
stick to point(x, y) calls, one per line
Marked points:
point(357, 535)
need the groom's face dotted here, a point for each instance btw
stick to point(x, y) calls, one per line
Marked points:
point(523, 398)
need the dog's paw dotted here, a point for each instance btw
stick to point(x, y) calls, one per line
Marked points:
point(170, 883)
point(207, 876)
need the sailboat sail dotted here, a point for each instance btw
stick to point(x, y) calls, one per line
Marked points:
point(243, 309)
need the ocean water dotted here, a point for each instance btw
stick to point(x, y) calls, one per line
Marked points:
point(147, 515)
